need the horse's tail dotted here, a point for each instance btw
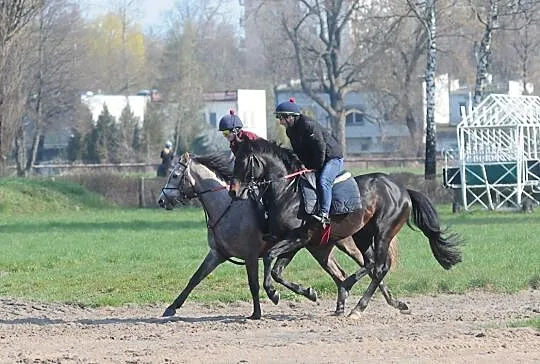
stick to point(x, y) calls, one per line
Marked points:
point(444, 246)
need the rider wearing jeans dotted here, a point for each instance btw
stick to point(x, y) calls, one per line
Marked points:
point(316, 148)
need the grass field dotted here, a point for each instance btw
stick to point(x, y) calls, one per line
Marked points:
point(93, 254)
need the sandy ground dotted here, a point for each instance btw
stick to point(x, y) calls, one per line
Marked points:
point(469, 328)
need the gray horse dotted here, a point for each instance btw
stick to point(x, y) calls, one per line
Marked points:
point(235, 229)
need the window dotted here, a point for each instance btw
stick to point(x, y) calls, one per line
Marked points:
point(462, 109)
point(354, 117)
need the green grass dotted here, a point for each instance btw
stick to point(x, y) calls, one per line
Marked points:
point(60, 243)
point(33, 195)
point(533, 322)
point(115, 256)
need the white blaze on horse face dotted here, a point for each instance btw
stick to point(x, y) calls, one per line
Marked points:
point(190, 178)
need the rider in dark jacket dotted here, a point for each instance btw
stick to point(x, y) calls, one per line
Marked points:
point(316, 148)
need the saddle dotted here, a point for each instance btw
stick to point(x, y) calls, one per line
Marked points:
point(345, 195)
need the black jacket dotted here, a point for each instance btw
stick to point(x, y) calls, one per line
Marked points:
point(313, 144)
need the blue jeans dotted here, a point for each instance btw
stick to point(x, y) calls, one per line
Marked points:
point(326, 179)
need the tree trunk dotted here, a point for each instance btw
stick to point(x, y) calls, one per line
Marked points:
point(484, 53)
point(430, 170)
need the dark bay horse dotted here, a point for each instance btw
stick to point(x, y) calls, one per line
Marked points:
point(386, 207)
point(234, 230)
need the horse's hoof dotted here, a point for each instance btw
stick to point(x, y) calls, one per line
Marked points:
point(275, 298)
point(402, 306)
point(339, 313)
point(312, 294)
point(355, 315)
point(169, 312)
point(254, 316)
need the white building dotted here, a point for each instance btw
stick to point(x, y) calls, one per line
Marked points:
point(115, 104)
point(249, 105)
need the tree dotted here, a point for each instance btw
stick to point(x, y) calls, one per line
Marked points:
point(330, 50)
point(426, 13)
point(128, 126)
point(53, 93)
point(499, 16)
point(116, 56)
point(15, 16)
point(152, 137)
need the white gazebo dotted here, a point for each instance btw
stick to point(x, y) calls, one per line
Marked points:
point(498, 165)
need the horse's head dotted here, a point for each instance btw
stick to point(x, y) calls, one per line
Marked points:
point(259, 162)
point(179, 187)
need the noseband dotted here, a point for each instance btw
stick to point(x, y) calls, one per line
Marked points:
point(185, 196)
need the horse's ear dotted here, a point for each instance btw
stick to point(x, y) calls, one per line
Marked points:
point(185, 157)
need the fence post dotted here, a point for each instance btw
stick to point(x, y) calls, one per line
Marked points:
point(141, 193)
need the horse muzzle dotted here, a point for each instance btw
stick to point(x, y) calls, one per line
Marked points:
point(234, 189)
point(165, 202)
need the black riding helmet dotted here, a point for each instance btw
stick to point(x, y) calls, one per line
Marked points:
point(231, 121)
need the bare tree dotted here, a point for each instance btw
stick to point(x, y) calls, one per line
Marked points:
point(52, 96)
point(426, 13)
point(15, 15)
point(330, 49)
point(498, 16)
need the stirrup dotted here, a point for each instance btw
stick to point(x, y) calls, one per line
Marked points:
point(323, 219)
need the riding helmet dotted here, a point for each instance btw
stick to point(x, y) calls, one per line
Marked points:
point(288, 107)
point(230, 121)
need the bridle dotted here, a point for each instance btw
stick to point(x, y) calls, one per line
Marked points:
point(180, 187)
point(252, 185)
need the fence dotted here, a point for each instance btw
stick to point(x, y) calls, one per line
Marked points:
point(350, 162)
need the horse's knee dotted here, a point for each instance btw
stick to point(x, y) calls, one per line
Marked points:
point(379, 271)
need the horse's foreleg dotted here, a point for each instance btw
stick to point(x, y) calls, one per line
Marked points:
point(267, 280)
point(290, 243)
point(277, 270)
point(324, 254)
point(210, 262)
point(252, 268)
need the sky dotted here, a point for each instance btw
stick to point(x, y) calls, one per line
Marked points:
point(151, 11)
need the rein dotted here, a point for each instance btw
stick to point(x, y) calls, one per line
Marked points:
point(288, 176)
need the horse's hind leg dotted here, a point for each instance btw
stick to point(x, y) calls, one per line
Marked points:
point(385, 291)
point(281, 263)
point(377, 271)
point(210, 262)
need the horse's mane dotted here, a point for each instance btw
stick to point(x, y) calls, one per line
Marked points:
point(264, 147)
point(219, 162)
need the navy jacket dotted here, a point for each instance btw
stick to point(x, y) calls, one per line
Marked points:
point(313, 144)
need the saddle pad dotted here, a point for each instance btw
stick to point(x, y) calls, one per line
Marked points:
point(345, 195)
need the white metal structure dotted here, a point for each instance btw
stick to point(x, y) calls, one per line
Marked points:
point(499, 153)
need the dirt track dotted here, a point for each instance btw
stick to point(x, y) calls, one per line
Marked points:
point(447, 328)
